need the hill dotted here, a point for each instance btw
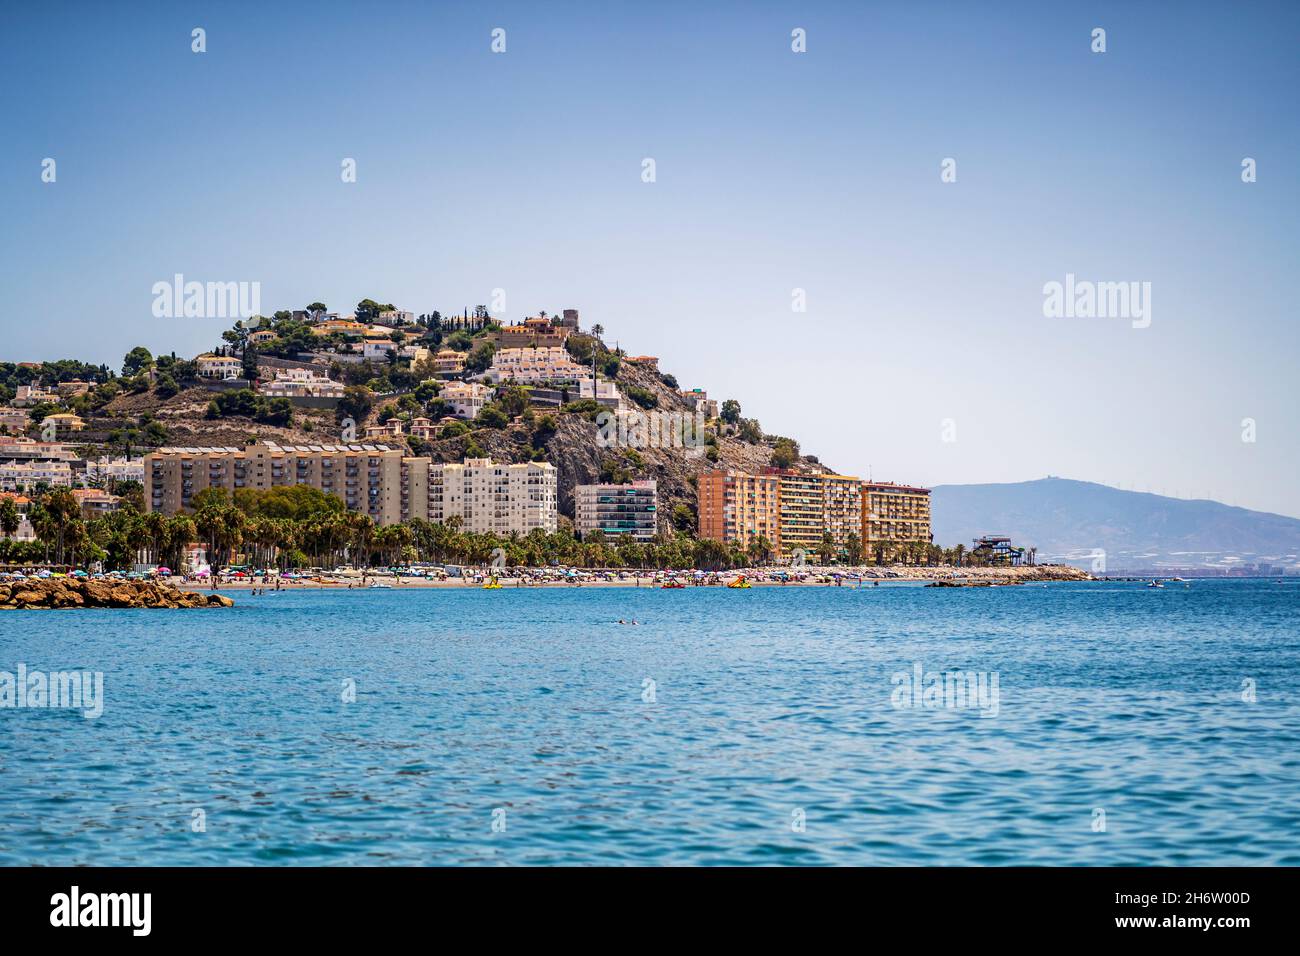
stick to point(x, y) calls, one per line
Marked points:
point(1068, 520)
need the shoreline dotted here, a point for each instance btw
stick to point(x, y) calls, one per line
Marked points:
point(764, 577)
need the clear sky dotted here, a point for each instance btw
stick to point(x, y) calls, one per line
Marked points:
point(775, 171)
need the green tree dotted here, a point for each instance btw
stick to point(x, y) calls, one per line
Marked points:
point(356, 403)
point(165, 386)
point(138, 360)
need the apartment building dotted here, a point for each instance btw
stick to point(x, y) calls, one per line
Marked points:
point(372, 479)
point(302, 383)
point(627, 509)
point(892, 512)
point(367, 477)
point(488, 497)
point(120, 468)
point(734, 506)
point(18, 448)
point(536, 365)
point(792, 510)
point(25, 475)
point(814, 505)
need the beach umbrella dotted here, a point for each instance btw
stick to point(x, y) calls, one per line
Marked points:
point(164, 570)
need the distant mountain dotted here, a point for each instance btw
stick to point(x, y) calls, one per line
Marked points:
point(1068, 520)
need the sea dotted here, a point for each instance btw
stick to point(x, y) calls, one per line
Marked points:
point(1083, 723)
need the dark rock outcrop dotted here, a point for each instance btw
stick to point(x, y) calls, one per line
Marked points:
point(73, 592)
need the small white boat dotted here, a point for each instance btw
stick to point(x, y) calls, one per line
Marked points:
point(379, 584)
point(1155, 584)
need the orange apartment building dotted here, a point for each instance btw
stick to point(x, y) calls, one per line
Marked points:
point(794, 510)
point(893, 512)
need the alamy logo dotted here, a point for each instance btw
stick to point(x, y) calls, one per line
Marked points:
point(206, 300)
point(70, 690)
point(919, 689)
point(103, 909)
point(1084, 299)
point(634, 429)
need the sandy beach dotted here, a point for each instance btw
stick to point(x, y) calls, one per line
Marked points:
point(556, 578)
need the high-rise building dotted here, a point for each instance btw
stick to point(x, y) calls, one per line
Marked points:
point(365, 476)
point(372, 479)
point(796, 510)
point(899, 513)
point(734, 506)
point(814, 505)
point(629, 509)
point(489, 497)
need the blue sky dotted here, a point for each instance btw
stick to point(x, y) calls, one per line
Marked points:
point(775, 171)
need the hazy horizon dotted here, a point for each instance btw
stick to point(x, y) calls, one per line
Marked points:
point(775, 171)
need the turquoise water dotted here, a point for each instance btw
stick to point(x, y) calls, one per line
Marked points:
point(767, 704)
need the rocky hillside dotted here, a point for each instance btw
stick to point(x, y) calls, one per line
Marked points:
point(566, 439)
point(574, 450)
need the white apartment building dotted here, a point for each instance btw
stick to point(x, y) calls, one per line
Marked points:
point(629, 509)
point(536, 365)
point(467, 398)
point(302, 383)
point(115, 469)
point(489, 498)
point(21, 476)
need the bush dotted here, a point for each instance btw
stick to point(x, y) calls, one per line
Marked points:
point(246, 403)
point(165, 386)
point(587, 406)
point(491, 416)
point(643, 396)
point(453, 430)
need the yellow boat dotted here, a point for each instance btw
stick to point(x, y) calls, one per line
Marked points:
point(740, 582)
point(492, 584)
